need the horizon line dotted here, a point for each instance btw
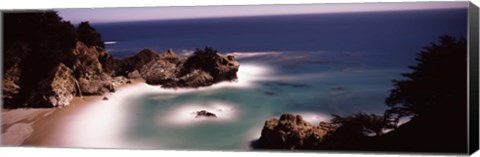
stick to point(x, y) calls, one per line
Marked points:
point(139, 14)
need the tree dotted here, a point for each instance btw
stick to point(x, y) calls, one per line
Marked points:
point(36, 42)
point(436, 86)
point(201, 58)
point(88, 35)
point(362, 122)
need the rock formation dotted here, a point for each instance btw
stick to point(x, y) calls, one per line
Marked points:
point(12, 74)
point(56, 90)
point(47, 61)
point(127, 66)
point(92, 71)
point(203, 68)
point(92, 78)
point(292, 132)
point(11, 83)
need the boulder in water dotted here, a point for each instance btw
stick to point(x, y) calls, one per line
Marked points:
point(206, 114)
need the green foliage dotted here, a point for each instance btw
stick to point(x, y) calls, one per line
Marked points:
point(88, 35)
point(204, 56)
point(362, 122)
point(437, 84)
point(201, 59)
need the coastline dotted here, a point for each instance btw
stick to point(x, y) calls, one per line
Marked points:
point(35, 126)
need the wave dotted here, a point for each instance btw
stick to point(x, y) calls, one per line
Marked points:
point(240, 55)
point(245, 55)
point(314, 118)
point(110, 42)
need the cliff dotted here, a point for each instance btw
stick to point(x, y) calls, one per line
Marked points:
point(47, 61)
point(93, 71)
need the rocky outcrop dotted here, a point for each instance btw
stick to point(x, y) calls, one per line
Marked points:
point(292, 132)
point(203, 68)
point(11, 83)
point(127, 66)
point(92, 71)
point(56, 90)
point(162, 71)
point(205, 114)
point(92, 78)
point(12, 74)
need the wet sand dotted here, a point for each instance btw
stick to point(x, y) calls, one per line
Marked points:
point(37, 127)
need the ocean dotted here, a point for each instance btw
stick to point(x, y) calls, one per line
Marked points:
point(313, 65)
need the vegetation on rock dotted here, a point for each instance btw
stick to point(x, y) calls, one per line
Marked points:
point(88, 35)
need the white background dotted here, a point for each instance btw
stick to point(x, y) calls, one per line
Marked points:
point(49, 152)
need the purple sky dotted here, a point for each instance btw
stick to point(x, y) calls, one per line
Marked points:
point(104, 15)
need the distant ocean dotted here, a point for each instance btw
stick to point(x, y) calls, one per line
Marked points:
point(314, 65)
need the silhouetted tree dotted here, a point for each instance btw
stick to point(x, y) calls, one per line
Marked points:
point(202, 59)
point(88, 35)
point(437, 84)
point(362, 122)
point(36, 41)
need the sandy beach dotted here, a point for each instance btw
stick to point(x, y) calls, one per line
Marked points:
point(36, 127)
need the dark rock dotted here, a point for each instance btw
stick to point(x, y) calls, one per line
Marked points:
point(127, 66)
point(160, 72)
point(56, 90)
point(204, 68)
point(291, 132)
point(206, 114)
point(104, 98)
point(11, 83)
point(344, 138)
point(134, 75)
point(170, 54)
point(329, 127)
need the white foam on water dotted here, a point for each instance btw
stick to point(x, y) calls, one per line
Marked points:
point(314, 118)
point(110, 42)
point(247, 75)
point(243, 55)
point(102, 123)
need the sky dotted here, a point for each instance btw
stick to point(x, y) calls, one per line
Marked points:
point(123, 14)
